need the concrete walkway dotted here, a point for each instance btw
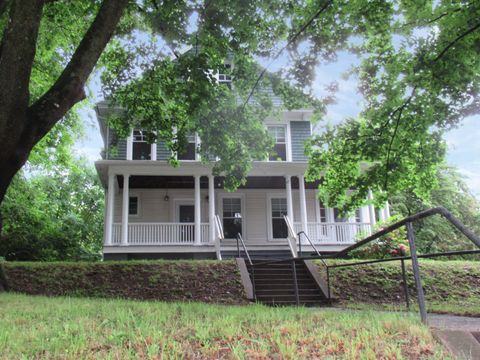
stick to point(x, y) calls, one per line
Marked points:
point(459, 334)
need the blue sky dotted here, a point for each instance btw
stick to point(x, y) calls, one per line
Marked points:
point(463, 142)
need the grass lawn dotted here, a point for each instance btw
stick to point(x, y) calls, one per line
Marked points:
point(72, 328)
point(451, 287)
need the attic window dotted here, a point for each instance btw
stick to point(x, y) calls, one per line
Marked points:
point(141, 149)
point(226, 77)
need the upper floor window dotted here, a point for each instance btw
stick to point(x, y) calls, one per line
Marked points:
point(190, 150)
point(141, 149)
point(280, 148)
point(225, 77)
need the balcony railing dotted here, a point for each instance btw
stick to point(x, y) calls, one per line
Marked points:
point(335, 233)
point(161, 233)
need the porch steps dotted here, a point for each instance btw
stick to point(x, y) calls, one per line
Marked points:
point(258, 254)
point(274, 284)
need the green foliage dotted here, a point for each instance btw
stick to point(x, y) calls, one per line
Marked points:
point(435, 234)
point(389, 245)
point(53, 215)
point(419, 75)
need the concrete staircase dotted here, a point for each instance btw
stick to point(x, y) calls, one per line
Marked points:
point(274, 283)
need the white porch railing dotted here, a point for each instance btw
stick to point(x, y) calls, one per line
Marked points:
point(335, 233)
point(161, 233)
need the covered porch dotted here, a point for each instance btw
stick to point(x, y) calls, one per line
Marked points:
point(152, 207)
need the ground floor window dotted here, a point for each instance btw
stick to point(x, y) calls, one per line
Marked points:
point(279, 227)
point(232, 217)
point(133, 205)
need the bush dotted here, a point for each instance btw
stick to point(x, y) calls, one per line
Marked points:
point(390, 245)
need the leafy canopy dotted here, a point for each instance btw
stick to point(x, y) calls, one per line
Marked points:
point(418, 75)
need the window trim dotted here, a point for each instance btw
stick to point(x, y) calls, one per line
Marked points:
point(288, 145)
point(197, 144)
point(130, 142)
point(132, 195)
point(270, 196)
point(241, 196)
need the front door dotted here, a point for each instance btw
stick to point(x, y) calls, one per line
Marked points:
point(187, 215)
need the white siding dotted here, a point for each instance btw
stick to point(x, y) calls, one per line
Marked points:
point(153, 207)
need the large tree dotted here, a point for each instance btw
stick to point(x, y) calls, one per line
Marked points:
point(418, 73)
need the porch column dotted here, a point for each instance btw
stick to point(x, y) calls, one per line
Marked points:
point(130, 146)
point(125, 203)
point(303, 203)
point(387, 210)
point(109, 214)
point(153, 150)
point(197, 210)
point(288, 186)
point(371, 209)
point(211, 206)
point(382, 215)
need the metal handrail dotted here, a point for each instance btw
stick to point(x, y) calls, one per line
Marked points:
point(310, 241)
point(291, 232)
point(240, 238)
point(423, 214)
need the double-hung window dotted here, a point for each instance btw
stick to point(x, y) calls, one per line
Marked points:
point(190, 150)
point(279, 152)
point(133, 205)
point(232, 217)
point(141, 149)
point(279, 227)
point(225, 77)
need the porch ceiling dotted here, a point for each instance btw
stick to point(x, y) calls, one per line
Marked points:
point(187, 182)
point(148, 173)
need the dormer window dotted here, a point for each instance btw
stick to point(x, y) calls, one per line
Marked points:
point(141, 149)
point(190, 151)
point(226, 77)
point(280, 148)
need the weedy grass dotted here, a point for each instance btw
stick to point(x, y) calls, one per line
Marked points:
point(73, 328)
point(451, 287)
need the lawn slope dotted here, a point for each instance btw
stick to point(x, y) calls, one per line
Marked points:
point(449, 286)
point(72, 328)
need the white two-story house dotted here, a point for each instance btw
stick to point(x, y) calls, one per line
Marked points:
point(154, 210)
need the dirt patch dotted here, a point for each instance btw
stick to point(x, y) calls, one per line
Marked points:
point(205, 281)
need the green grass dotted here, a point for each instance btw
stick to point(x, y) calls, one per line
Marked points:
point(72, 328)
point(450, 286)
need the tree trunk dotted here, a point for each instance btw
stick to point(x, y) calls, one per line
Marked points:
point(23, 125)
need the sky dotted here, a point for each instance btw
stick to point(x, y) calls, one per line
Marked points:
point(463, 142)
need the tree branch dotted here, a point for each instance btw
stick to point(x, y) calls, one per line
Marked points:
point(69, 87)
point(399, 116)
point(457, 39)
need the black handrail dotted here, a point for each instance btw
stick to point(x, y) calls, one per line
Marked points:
point(240, 238)
point(310, 241)
point(423, 214)
point(319, 255)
